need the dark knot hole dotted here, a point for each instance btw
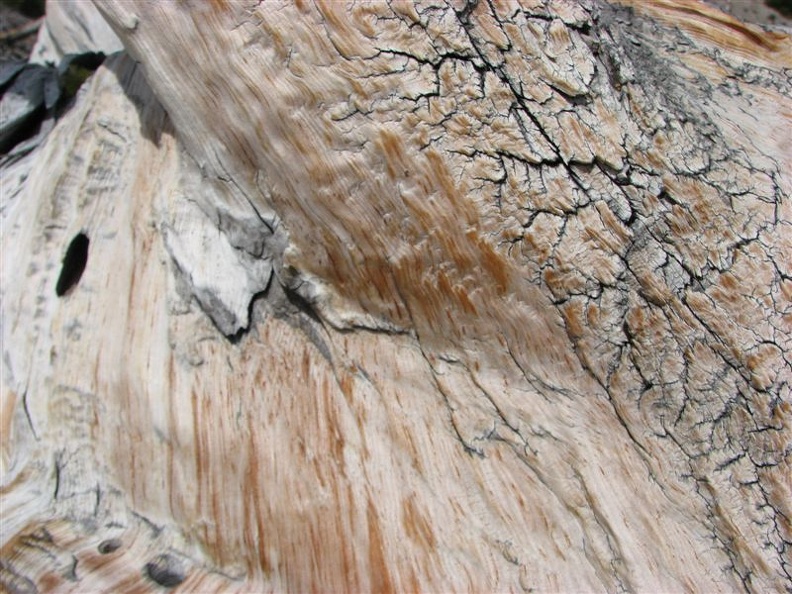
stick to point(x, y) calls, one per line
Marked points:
point(73, 264)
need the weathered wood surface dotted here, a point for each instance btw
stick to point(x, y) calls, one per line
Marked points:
point(414, 297)
point(73, 28)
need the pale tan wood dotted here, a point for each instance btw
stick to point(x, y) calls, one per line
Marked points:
point(404, 297)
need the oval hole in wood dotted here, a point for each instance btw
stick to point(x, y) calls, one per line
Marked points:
point(73, 264)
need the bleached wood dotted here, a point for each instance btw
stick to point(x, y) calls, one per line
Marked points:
point(72, 28)
point(413, 297)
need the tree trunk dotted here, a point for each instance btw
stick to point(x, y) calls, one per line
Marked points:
point(484, 296)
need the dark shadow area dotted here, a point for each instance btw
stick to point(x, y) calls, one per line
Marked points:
point(73, 265)
point(74, 71)
point(154, 119)
point(19, 24)
point(34, 95)
point(782, 6)
point(32, 92)
point(301, 304)
point(165, 570)
point(30, 8)
point(27, 128)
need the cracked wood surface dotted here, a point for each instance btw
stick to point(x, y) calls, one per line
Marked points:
point(470, 296)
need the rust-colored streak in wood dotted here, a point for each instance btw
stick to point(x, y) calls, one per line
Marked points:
point(495, 265)
point(707, 22)
point(767, 40)
point(394, 153)
point(417, 527)
point(378, 565)
point(575, 321)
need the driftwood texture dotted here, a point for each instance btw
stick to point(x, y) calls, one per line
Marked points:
point(393, 296)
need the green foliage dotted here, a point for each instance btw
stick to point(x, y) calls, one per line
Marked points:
point(73, 78)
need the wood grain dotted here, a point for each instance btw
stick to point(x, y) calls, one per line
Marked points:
point(406, 297)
